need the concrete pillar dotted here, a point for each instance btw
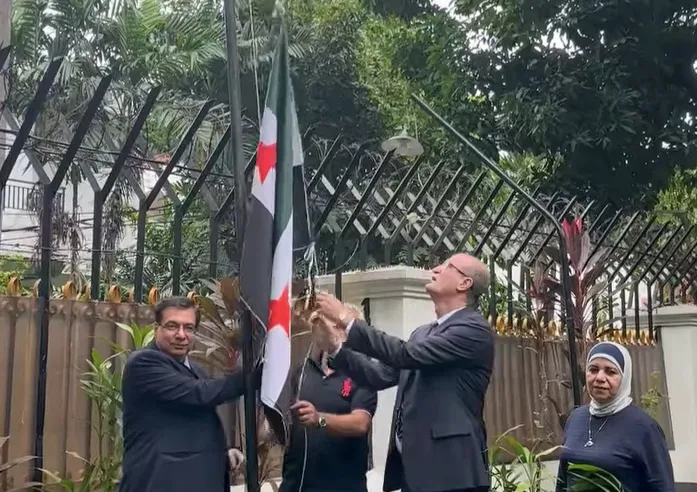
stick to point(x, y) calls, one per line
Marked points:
point(679, 343)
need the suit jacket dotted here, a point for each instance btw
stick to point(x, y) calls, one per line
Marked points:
point(173, 438)
point(442, 374)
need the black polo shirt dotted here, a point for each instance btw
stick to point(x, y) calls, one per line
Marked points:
point(334, 464)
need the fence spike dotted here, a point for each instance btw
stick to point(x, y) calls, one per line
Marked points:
point(69, 290)
point(113, 294)
point(14, 286)
point(153, 296)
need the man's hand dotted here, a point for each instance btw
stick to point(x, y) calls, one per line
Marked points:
point(307, 413)
point(236, 458)
point(333, 309)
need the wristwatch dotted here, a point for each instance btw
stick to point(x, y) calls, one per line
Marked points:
point(322, 422)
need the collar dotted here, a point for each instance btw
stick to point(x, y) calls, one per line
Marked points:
point(321, 363)
point(445, 317)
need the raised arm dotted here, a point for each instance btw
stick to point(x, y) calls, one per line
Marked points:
point(151, 375)
point(366, 372)
point(466, 341)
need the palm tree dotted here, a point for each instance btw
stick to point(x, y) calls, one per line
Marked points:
point(178, 45)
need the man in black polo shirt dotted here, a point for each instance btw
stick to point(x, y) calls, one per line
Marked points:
point(328, 449)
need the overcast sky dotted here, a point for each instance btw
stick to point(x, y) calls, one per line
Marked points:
point(442, 3)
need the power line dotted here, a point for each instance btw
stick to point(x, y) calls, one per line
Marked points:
point(132, 157)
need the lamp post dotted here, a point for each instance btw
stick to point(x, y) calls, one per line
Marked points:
point(564, 259)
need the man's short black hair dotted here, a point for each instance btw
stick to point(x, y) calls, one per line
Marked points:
point(176, 303)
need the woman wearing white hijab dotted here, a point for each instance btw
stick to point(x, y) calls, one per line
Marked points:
point(613, 434)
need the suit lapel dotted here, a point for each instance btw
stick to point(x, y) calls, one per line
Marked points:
point(196, 370)
point(406, 376)
point(458, 316)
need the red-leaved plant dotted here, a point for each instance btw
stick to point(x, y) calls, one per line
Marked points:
point(587, 265)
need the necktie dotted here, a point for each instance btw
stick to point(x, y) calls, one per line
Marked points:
point(398, 422)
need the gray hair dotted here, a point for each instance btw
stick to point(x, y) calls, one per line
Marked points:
point(480, 281)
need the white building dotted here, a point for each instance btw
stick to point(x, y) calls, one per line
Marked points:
point(19, 224)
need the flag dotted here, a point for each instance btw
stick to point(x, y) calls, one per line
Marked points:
point(277, 224)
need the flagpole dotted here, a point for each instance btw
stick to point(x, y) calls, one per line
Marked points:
point(236, 155)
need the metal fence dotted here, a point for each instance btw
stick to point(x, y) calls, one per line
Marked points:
point(373, 208)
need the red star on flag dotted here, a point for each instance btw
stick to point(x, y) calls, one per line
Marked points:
point(279, 311)
point(266, 159)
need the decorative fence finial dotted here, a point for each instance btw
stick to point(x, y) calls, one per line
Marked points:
point(153, 296)
point(69, 290)
point(113, 294)
point(193, 296)
point(14, 286)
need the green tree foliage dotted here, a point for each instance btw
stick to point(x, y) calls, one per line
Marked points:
point(680, 195)
point(159, 249)
point(12, 266)
point(431, 58)
point(609, 86)
point(327, 83)
point(405, 9)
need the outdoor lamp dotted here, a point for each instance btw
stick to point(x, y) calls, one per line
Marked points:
point(403, 145)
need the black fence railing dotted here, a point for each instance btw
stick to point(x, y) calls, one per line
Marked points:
point(372, 208)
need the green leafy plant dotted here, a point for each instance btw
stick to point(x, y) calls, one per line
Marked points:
point(87, 482)
point(652, 400)
point(12, 267)
point(501, 301)
point(102, 385)
point(8, 465)
point(515, 467)
point(589, 478)
point(141, 336)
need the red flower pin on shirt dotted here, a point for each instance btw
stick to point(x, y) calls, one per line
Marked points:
point(346, 388)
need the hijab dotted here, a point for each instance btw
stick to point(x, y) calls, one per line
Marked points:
point(620, 357)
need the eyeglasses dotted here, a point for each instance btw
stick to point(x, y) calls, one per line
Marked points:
point(447, 264)
point(173, 327)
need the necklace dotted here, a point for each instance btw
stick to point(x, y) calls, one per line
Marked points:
point(589, 443)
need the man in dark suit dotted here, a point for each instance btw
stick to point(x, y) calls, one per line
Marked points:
point(438, 438)
point(173, 438)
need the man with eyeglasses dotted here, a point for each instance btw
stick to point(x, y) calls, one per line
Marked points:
point(173, 438)
point(438, 438)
